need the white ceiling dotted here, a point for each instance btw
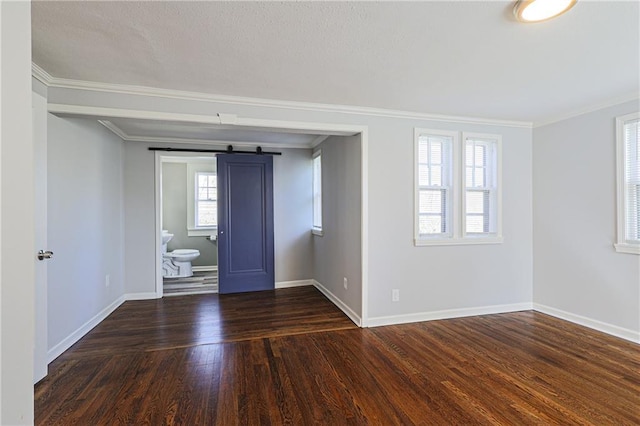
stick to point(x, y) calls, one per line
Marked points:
point(454, 58)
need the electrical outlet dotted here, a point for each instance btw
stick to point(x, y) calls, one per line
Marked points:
point(346, 283)
point(395, 295)
point(107, 280)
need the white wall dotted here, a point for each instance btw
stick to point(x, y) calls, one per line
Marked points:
point(85, 225)
point(17, 250)
point(577, 272)
point(292, 177)
point(337, 253)
point(437, 281)
point(292, 215)
point(139, 219)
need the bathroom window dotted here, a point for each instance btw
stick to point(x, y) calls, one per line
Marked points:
point(628, 183)
point(206, 200)
point(457, 188)
point(317, 193)
point(202, 198)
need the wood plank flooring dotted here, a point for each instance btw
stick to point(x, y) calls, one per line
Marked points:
point(290, 357)
point(201, 282)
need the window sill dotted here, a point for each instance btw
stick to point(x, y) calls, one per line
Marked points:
point(317, 232)
point(457, 241)
point(627, 248)
point(201, 232)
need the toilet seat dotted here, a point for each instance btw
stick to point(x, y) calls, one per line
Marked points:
point(182, 255)
point(184, 252)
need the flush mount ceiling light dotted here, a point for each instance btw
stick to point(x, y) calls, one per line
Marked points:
point(540, 10)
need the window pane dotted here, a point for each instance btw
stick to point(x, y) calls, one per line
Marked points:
point(481, 156)
point(423, 174)
point(436, 152)
point(202, 193)
point(475, 201)
point(317, 192)
point(479, 177)
point(632, 212)
point(430, 225)
point(468, 177)
point(478, 211)
point(207, 213)
point(423, 153)
point(430, 201)
point(436, 175)
point(213, 181)
point(468, 153)
point(202, 180)
point(475, 224)
point(632, 154)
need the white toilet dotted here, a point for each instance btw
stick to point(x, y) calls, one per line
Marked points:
point(176, 264)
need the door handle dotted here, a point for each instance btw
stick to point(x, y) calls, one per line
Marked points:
point(42, 254)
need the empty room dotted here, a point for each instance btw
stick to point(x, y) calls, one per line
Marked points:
point(320, 212)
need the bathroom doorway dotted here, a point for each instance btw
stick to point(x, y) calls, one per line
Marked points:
point(188, 217)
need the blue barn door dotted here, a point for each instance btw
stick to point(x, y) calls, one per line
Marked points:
point(245, 223)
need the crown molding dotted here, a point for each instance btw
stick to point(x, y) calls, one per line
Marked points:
point(633, 96)
point(208, 142)
point(115, 129)
point(41, 75)
point(63, 83)
point(317, 141)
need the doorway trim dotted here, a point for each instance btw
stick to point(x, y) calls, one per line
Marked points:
point(160, 157)
point(332, 129)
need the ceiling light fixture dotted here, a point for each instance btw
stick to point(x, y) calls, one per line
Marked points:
point(541, 10)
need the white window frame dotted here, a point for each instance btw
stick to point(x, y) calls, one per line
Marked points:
point(448, 236)
point(623, 244)
point(316, 192)
point(193, 168)
point(458, 235)
point(494, 164)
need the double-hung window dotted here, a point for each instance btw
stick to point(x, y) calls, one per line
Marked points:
point(202, 198)
point(628, 183)
point(206, 200)
point(317, 193)
point(481, 192)
point(434, 189)
point(457, 188)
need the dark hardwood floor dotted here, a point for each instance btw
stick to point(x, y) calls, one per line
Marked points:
point(291, 357)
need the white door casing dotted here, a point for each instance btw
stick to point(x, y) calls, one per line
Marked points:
point(40, 175)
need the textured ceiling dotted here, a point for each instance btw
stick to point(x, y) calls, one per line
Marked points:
point(455, 58)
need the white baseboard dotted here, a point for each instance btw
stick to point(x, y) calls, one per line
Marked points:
point(614, 330)
point(141, 296)
point(339, 303)
point(297, 283)
point(190, 293)
point(447, 314)
point(204, 268)
point(65, 344)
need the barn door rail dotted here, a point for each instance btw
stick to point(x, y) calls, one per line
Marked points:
point(229, 150)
